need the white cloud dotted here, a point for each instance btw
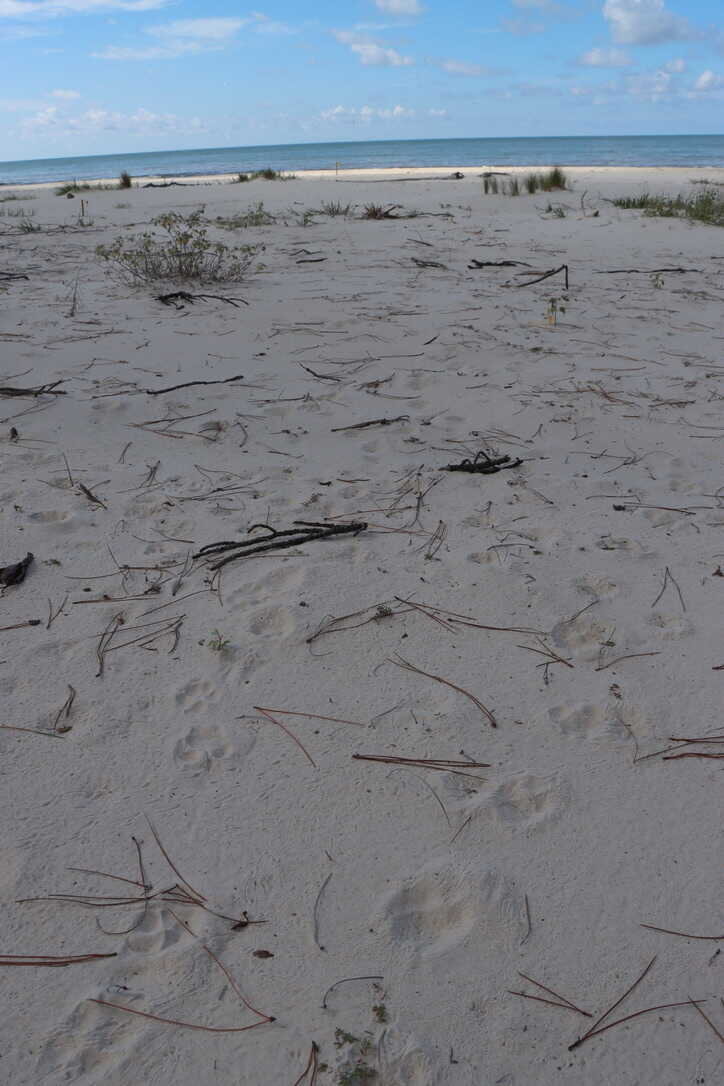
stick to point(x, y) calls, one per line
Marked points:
point(182, 37)
point(23, 9)
point(676, 65)
point(708, 81)
point(437, 113)
point(66, 95)
point(400, 7)
point(198, 29)
point(366, 114)
point(645, 22)
point(461, 67)
point(371, 52)
point(51, 121)
point(605, 58)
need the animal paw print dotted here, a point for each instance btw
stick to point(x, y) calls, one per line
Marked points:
point(207, 746)
point(526, 801)
point(197, 694)
point(431, 913)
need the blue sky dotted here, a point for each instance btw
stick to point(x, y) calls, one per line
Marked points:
point(97, 76)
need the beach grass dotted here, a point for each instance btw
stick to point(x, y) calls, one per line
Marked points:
point(706, 206)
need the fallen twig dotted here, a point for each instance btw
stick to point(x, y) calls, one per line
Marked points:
point(546, 275)
point(56, 961)
point(488, 466)
point(190, 384)
point(370, 422)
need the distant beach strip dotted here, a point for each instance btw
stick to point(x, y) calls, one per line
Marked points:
point(696, 152)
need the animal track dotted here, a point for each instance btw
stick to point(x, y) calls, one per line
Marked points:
point(196, 694)
point(432, 912)
point(207, 746)
point(526, 801)
point(583, 719)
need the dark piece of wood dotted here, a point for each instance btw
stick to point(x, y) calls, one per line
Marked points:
point(179, 298)
point(8, 277)
point(189, 384)
point(497, 264)
point(306, 532)
point(428, 263)
point(37, 390)
point(554, 271)
point(15, 573)
point(488, 465)
point(370, 422)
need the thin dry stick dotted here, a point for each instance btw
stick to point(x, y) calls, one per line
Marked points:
point(695, 1005)
point(200, 897)
point(690, 754)
point(631, 656)
point(548, 652)
point(36, 622)
point(540, 999)
point(668, 576)
point(345, 980)
point(311, 716)
point(64, 711)
point(52, 615)
point(312, 1066)
point(291, 735)
point(315, 918)
point(407, 666)
point(35, 731)
point(636, 1014)
point(563, 999)
point(56, 961)
point(685, 934)
point(442, 764)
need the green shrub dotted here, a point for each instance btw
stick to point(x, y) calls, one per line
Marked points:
point(183, 251)
point(125, 181)
point(254, 216)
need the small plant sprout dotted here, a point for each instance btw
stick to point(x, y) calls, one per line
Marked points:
point(379, 1010)
point(555, 306)
point(657, 280)
point(217, 642)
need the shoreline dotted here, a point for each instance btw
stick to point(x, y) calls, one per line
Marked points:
point(390, 173)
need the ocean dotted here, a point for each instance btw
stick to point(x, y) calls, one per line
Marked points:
point(696, 152)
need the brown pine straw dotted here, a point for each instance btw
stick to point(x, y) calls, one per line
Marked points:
point(613, 1006)
point(268, 713)
point(695, 1005)
point(407, 666)
point(312, 1066)
point(636, 1014)
point(56, 961)
point(264, 1019)
point(444, 765)
point(684, 934)
point(564, 1000)
point(180, 893)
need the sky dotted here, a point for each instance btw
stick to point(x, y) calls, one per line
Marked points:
point(115, 76)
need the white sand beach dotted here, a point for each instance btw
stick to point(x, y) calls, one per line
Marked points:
point(555, 622)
